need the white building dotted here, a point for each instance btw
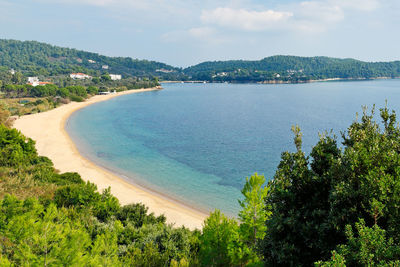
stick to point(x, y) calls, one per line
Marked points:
point(91, 61)
point(34, 84)
point(104, 67)
point(164, 70)
point(33, 80)
point(79, 76)
point(115, 77)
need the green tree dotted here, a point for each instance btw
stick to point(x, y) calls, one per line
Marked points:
point(254, 213)
point(105, 77)
point(312, 199)
point(369, 246)
point(17, 78)
point(137, 214)
point(219, 233)
point(93, 90)
point(63, 92)
point(96, 80)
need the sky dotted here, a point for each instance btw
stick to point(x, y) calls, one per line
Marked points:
point(186, 32)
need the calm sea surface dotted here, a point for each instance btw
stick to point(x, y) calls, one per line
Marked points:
point(197, 142)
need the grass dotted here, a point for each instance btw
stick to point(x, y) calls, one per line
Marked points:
point(22, 185)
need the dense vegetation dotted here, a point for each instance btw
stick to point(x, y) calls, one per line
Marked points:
point(21, 98)
point(291, 69)
point(338, 206)
point(53, 219)
point(348, 196)
point(39, 59)
point(32, 58)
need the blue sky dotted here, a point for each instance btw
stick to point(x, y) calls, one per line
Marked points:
point(187, 32)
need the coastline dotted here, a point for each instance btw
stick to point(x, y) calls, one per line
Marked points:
point(289, 82)
point(55, 143)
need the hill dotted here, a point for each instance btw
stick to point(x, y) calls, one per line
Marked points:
point(291, 69)
point(34, 59)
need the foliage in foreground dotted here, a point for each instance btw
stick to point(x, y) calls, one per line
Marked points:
point(315, 200)
point(69, 223)
point(58, 219)
point(368, 247)
point(226, 243)
point(338, 206)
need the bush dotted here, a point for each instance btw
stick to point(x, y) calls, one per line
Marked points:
point(85, 196)
point(77, 195)
point(71, 178)
point(137, 215)
point(93, 90)
point(313, 199)
point(63, 92)
point(76, 98)
point(15, 149)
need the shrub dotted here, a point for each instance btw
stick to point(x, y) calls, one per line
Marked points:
point(76, 98)
point(137, 215)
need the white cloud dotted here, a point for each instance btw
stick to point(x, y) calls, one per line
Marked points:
point(319, 12)
point(206, 35)
point(104, 3)
point(202, 32)
point(151, 8)
point(244, 19)
point(314, 16)
point(362, 5)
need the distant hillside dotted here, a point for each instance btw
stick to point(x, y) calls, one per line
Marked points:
point(291, 69)
point(34, 58)
point(39, 59)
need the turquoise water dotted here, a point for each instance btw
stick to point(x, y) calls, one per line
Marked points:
point(197, 142)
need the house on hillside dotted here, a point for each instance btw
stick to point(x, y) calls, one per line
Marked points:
point(104, 67)
point(164, 70)
point(80, 76)
point(91, 61)
point(33, 79)
point(36, 83)
point(107, 92)
point(115, 77)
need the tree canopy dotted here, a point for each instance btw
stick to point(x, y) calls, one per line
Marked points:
point(315, 200)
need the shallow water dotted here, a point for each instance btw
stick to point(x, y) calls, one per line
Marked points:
point(197, 142)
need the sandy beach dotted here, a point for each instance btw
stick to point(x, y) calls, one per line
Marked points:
point(52, 141)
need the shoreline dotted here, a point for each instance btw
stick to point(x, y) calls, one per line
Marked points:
point(56, 144)
point(128, 179)
point(288, 81)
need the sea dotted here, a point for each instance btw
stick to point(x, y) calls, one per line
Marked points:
point(197, 143)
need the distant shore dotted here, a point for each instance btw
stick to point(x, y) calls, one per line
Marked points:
point(52, 141)
point(288, 82)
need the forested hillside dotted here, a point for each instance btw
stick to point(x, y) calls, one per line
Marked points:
point(291, 69)
point(39, 59)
